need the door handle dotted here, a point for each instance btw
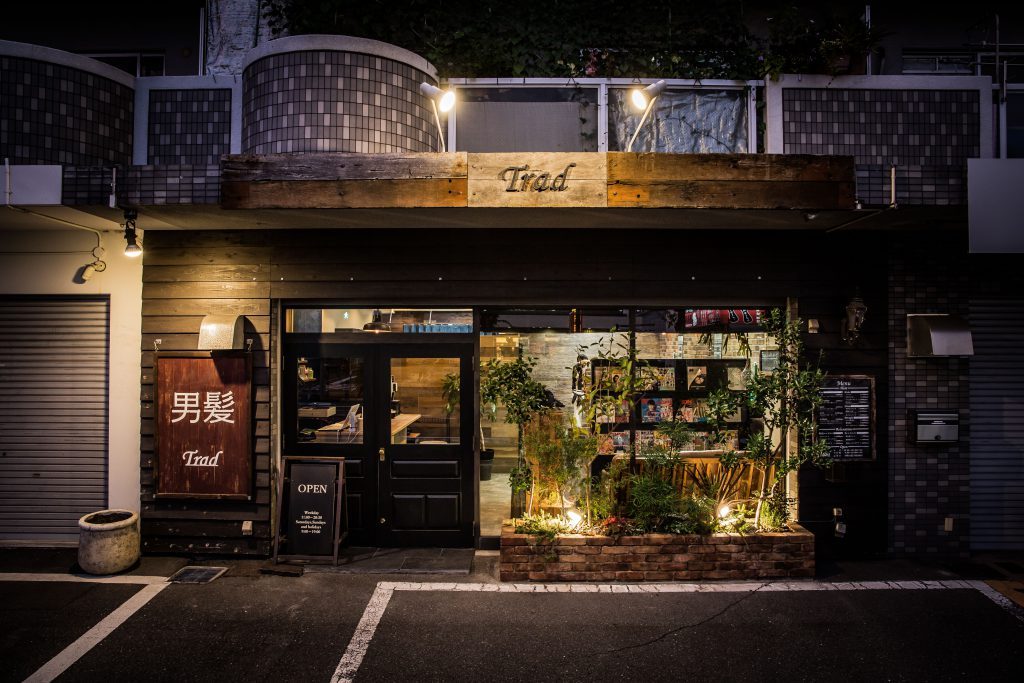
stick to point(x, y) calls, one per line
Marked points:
point(380, 454)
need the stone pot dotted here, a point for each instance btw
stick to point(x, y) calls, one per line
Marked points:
point(108, 541)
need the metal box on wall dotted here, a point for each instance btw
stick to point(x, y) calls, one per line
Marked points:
point(936, 427)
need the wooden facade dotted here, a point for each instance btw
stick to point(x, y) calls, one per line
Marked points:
point(188, 274)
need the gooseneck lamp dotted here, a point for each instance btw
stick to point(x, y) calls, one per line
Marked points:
point(439, 99)
point(643, 99)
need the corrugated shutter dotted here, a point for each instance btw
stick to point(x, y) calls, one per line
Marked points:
point(53, 415)
point(997, 425)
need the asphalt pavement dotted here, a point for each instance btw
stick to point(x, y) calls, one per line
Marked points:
point(853, 625)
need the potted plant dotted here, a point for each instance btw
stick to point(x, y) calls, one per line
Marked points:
point(108, 541)
point(511, 384)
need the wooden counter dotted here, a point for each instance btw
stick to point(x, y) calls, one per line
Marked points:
point(338, 432)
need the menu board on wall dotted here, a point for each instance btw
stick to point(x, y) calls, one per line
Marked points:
point(203, 407)
point(846, 417)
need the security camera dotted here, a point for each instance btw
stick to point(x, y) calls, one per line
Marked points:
point(88, 271)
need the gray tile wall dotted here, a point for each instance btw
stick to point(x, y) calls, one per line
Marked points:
point(927, 483)
point(189, 126)
point(927, 134)
point(329, 101)
point(144, 185)
point(54, 114)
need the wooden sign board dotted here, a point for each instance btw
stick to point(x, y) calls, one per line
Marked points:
point(339, 180)
point(204, 425)
point(538, 179)
point(846, 417)
point(313, 520)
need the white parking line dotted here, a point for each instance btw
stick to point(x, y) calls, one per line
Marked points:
point(81, 578)
point(73, 652)
point(357, 647)
point(360, 642)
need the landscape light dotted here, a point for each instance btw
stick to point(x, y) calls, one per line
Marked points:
point(642, 98)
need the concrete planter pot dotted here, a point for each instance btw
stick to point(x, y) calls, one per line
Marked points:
point(108, 541)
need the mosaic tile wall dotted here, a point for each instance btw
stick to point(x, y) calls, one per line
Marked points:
point(329, 101)
point(189, 126)
point(927, 134)
point(926, 483)
point(53, 114)
point(144, 185)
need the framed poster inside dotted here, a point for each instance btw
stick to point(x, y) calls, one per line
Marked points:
point(204, 425)
point(846, 417)
point(313, 519)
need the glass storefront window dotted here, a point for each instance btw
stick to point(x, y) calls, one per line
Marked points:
point(330, 400)
point(379, 320)
point(425, 401)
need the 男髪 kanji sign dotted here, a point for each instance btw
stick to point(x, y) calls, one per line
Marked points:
point(204, 425)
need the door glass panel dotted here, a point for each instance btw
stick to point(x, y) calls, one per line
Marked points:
point(330, 400)
point(425, 401)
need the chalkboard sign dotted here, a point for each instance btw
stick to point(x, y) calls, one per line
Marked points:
point(312, 523)
point(846, 417)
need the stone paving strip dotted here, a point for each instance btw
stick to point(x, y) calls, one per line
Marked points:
point(360, 643)
point(82, 578)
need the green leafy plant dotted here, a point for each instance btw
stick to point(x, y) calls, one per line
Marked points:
point(563, 458)
point(450, 392)
point(619, 382)
point(520, 478)
point(511, 384)
point(786, 400)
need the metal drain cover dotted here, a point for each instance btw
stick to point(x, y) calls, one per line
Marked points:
point(197, 574)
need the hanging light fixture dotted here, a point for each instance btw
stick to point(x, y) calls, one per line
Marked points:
point(439, 99)
point(376, 323)
point(643, 99)
point(132, 249)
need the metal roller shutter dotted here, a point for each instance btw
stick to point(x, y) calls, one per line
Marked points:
point(997, 425)
point(53, 415)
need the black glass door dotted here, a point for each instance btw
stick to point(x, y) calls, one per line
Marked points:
point(425, 460)
point(402, 417)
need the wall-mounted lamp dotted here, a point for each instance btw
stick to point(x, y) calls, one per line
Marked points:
point(643, 99)
point(439, 99)
point(854, 319)
point(98, 265)
point(132, 248)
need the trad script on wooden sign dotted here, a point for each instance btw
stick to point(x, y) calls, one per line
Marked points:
point(204, 425)
point(538, 179)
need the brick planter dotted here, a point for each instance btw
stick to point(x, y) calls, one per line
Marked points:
point(657, 557)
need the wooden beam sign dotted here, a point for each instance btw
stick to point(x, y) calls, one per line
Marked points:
point(537, 179)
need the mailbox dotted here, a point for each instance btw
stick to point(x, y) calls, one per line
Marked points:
point(935, 427)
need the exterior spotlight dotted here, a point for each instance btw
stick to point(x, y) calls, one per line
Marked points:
point(132, 249)
point(724, 511)
point(439, 99)
point(644, 100)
